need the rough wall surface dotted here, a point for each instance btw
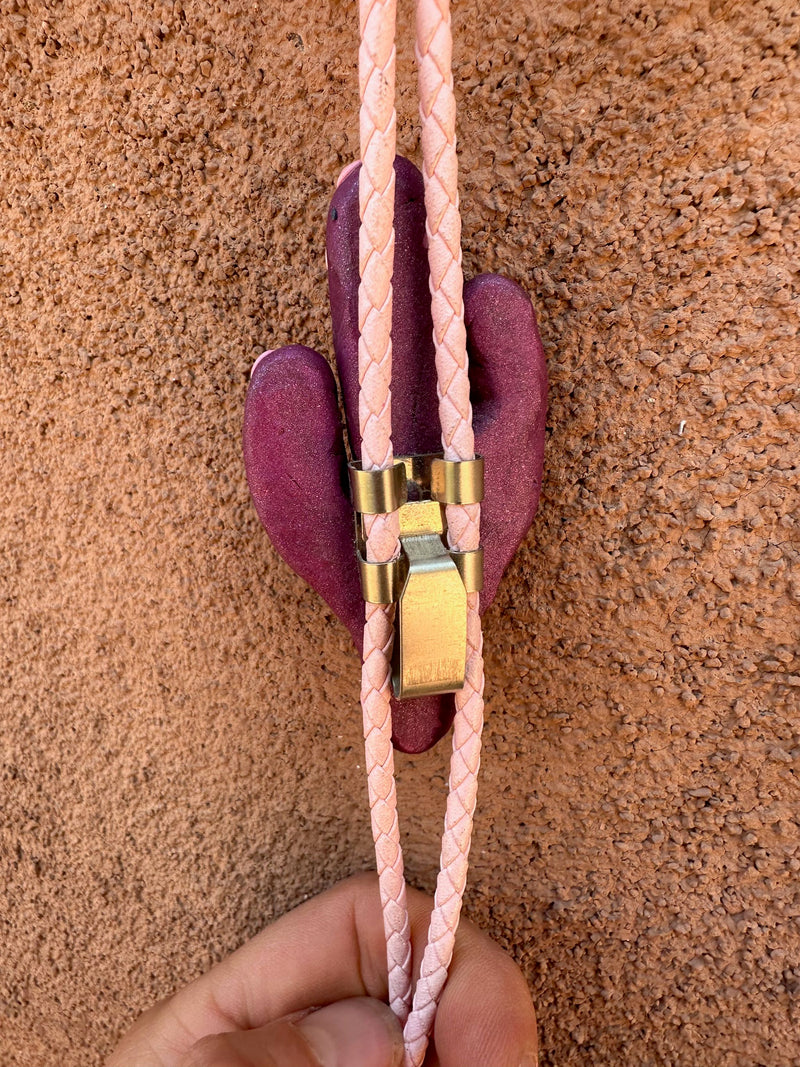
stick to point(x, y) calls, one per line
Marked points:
point(180, 721)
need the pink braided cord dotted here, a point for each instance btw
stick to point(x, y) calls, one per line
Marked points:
point(451, 882)
point(379, 756)
point(376, 69)
point(434, 51)
point(376, 255)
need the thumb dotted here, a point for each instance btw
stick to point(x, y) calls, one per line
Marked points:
point(361, 1032)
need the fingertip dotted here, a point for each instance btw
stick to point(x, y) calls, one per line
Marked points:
point(486, 1015)
point(356, 1031)
point(361, 1030)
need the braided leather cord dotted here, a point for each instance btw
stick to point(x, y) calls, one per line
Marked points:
point(452, 879)
point(376, 254)
point(376, 70)
point(434, 47)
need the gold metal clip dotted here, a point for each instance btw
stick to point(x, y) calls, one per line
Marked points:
point(377, 492)
point(430, 643)
point(429, 582)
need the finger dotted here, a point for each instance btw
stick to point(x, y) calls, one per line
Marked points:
point(296, 469)
point(415, 412)
point(485, 1016)
point(360, 1032)
point(508, 379)
point(333, 948)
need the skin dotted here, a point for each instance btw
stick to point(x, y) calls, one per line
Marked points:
point(293, 442)
point(266, 1005)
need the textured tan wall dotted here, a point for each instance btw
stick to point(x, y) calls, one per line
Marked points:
point(180, 721)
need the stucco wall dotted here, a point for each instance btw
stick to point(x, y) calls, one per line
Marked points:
point(180, 722)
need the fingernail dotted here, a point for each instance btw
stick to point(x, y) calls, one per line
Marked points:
point(263, 354)
point(360, 1031)
point(347, 170)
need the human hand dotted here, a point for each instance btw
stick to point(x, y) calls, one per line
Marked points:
point(293, 446)
point(310, 990)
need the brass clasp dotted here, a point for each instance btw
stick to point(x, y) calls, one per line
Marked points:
point(430, 643)
point(429, 582)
